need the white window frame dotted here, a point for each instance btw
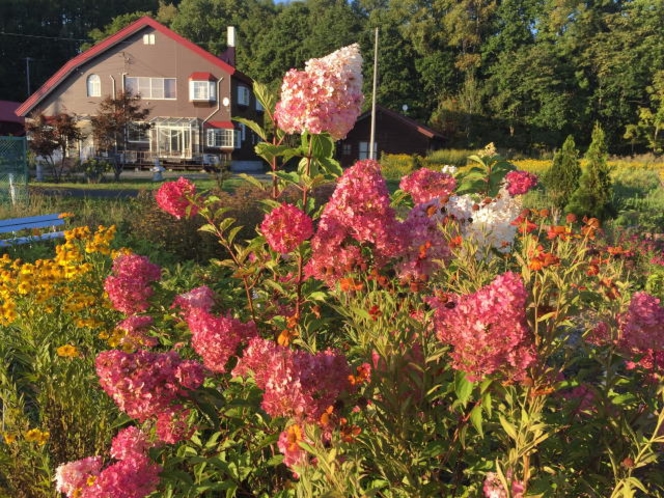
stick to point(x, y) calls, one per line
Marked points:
point(364, 150)
point(148, 39)
point(243, 95)
point(202, 91)
point(151, 88)
point(221, 138)
point(93, 85)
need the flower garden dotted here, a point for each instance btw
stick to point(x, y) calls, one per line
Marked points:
point(439, 340)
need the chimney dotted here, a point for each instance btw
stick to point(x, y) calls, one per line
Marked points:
point(229, 55)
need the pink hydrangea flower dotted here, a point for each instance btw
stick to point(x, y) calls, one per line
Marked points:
point(72, 477)
point(286, 227)
point(199, 298)
point(143, 384)
point(129, 442)
point(295, 383)
point(216, 338)
point(488, 330)
point(425, 184)
point(358, 212)
point(175, 198)
point(494, 488)
point(172, 425)
point(427, 245)
point(133, 477)
point(325, 97)
point(519, 182)
point(128, 286)
point(641, 327)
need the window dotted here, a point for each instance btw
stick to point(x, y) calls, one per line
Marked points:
point(259, 106)
point(138, 132)
point(243, 95)
point(364, 150)
point(151, 88)
point(94, 85)
point(148, 39)
point(221, 138)
point(239, 136)
point(204, 91)
point(346, 149)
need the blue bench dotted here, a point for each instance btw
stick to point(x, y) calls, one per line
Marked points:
point(30, 223)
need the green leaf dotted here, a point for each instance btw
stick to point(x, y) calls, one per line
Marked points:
point(270, 151)
point(463, 388)
point(322, 146)
point(508, 428)
point(476, 419)
point(253, 125)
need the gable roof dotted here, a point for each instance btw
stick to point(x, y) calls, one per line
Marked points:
point(405, 120)
point(109, 43)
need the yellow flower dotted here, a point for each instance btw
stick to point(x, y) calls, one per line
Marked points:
point(37, 436)
point(67, 351)
point(9, 438)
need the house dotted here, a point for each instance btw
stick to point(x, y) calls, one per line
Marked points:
point(10, 123)
point(394, 133)
point(192, 96)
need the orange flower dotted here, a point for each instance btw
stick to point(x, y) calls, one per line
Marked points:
point(349, 284)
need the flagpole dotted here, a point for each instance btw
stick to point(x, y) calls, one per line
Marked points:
point(373, 100)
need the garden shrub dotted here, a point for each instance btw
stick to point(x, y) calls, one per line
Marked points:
point(444, 157)
point(593, 196)
point(562, 179)
point(396, 166)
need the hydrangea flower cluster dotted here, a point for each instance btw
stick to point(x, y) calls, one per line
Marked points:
point(427, 243)
point(488, 329)
point(359, 210)
point(134, 475)
point(135, 336)
point(175, 198)
point(295, 383)
point(144, 384)
point(425, 185)
point(642, 331)
point(494, 488)
point(202, 298)
point(325, 97)
point(519, 182)
point(128, 286)
point(286, 227)
point(488, 223)
point(216, 338)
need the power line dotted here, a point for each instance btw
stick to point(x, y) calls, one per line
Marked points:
point(22, 35)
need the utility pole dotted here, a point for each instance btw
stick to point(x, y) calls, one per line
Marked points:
point(27, 73)
point(372, 138)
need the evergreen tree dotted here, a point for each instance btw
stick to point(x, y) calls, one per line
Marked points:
point(593, 197)
point(562, 179)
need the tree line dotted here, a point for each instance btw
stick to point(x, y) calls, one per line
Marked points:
point(524, 74)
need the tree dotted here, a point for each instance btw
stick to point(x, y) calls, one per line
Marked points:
point(110, 125)
point(562, 179)
point(51, 138)
point(593, 196)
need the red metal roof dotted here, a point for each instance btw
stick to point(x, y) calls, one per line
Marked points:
point(8, 112)
point(220, 124)
point(110, 42)
point(200, 76)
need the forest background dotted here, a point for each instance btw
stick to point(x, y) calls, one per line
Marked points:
point(521, 73)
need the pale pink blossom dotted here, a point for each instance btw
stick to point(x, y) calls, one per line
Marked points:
point(176, 198)
point(286, 227)
point(494, 488)
point(325, 97)
point(199, 298)
point(134, 477)
point(425, 184)
point(73, 476)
